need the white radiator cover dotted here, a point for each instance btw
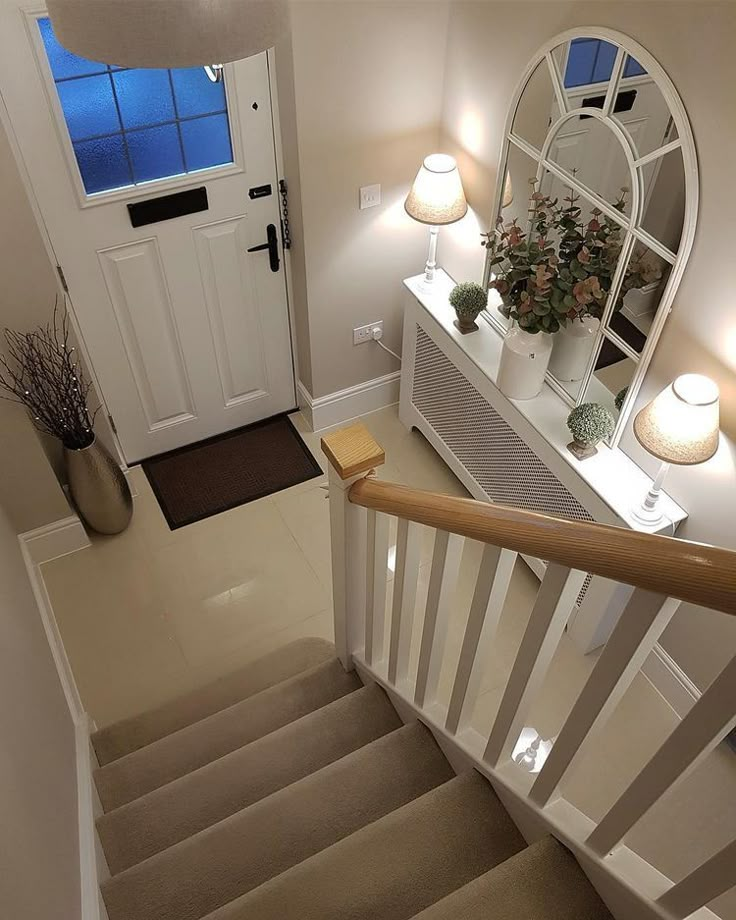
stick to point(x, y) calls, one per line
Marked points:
point(504, 466)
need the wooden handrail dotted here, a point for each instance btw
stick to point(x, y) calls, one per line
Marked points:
point(693, 572)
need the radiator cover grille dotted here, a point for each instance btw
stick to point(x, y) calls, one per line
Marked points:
point(502, 464)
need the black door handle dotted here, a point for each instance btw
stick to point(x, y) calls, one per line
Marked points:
point(272, 246)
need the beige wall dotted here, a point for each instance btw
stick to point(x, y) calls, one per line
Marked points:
point(39, 865)
point(489, 45)
point(368, 92)
point(28, 487)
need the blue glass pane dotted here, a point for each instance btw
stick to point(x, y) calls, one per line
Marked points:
point(155, 153)
point(195, 93)
point(580, 61)
point(89, 106)
point(63, 63)
point(103, 163)
point(633, 68)
point(206, 142)
point(144, 97)
point(604, 62)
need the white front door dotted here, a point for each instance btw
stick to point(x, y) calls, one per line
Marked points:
point(187, 330)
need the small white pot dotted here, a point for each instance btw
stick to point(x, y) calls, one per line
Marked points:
point(524, 360)
point(573, 346)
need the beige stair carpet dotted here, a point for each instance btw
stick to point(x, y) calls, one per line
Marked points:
point(395, 867)
point(187, 805)
point(192, 747)
point(212, 868)
point(543, 882)
point(136, 732)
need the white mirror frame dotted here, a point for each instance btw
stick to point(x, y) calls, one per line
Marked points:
point(685, 141)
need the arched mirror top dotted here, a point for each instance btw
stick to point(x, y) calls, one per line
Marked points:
point(597, 128)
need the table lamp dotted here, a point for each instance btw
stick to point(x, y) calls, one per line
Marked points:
point(436, 198)
point(678, 426)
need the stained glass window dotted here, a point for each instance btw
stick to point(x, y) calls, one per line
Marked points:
point(591, 61)
point(131, 126)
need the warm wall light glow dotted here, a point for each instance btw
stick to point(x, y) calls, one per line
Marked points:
point(471, 133)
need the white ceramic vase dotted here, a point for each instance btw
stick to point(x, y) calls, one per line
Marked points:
point(524, 360)
point(572, 348)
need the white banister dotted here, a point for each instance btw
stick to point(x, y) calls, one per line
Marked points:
point(557, 595)
point(709, 721)
point(491, 588)
point(376, 576)
point(713, 878)
point(408, 555)
point(442, 580)
point(642, 623)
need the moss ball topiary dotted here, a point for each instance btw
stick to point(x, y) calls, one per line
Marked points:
point(590, 423)
point(468, 299)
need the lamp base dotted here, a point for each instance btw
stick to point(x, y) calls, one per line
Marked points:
point(430, 268)
point(649, 513)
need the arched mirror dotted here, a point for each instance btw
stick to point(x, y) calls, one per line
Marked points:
point(598, 143)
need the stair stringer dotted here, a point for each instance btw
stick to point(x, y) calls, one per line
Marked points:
point(626, 883)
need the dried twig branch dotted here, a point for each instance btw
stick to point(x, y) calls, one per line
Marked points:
point(41, 372)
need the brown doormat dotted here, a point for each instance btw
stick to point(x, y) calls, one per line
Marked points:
point(231, 469)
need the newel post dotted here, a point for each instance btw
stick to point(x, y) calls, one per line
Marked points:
point(352, 454)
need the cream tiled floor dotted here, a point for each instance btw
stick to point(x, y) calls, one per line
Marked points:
point(153, 613)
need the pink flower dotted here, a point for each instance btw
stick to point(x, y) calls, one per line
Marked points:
point(584, 256)
point(594, 226)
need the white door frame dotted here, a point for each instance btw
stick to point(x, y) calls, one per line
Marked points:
point(104, 428)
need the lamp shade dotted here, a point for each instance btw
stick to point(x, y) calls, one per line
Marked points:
point(168, 33)
point(681, 424)
point(437, 195)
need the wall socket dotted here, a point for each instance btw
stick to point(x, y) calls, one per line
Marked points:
point(365, 333)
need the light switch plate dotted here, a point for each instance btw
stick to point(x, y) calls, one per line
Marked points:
point(370, 196)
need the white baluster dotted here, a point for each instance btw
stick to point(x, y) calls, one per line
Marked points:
point(489, 597)
point(642, 623)
point(408, 555)
point(553, 606)
point(375, 595)
point(347, 533)
point(713, 878)
point(442, 581)
point(702, 729)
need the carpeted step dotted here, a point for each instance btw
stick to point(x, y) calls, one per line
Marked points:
point(395, 867)
point(543, 882)
point(128, 735)
point(192, 747)
point(243, 851)
point(180, 809)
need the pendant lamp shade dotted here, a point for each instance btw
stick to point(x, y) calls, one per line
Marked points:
point(168, 33)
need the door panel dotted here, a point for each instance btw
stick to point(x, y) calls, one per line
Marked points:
point(188, 333)
point(230, 295)
point(140, 299)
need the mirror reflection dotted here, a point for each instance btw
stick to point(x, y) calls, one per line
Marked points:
point(638, 298)
point(612, 377)
point(576, 204)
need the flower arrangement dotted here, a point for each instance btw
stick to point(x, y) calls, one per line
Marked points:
point(41, 372)
point(468, 299)
point(589, 423)
point(562, 268)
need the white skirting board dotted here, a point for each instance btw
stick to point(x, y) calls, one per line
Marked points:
point(343, 405)
point(38, 546)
